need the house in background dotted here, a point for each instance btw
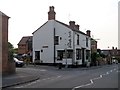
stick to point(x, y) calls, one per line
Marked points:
point(112, 54)
point(25, 45)
point(56, 42)
point(93, 45)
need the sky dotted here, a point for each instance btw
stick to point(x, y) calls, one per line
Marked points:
point(99, 16)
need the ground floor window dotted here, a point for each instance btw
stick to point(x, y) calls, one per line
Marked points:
point(78, 54)
point(64, 54)
point(60, 54)
point(37, 55)
point(69, 53)
point(87, 54)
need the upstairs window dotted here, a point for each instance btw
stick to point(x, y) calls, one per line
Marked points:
point(86, 42)
point(56, 40)
point(77, 39)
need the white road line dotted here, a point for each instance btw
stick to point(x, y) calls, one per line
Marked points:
point(104, 74)
point(101, 76)
point(117, 71)
point(44, 79)
point(107, 72)
point(97, 78)
point(91, 81)
point(81, 86)
point(58, 76)
point(110, 70)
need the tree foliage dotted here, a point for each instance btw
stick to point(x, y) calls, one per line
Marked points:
point(10, 52)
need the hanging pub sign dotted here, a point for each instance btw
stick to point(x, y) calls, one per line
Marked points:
point(69, 40)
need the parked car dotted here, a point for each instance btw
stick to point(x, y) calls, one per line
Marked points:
point(18, 63)
point(115, 61)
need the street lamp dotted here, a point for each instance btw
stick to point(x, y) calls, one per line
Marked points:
point(65, 52)
point(66, 57)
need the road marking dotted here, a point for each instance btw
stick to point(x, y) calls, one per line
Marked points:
point(81, 86)
point(101, 76)
point(58, 76)
point(97, 77)
point(91, 82)
point(107, 72)
point(117, 71)
point(110, 70)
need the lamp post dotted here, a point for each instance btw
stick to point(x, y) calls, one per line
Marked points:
point(109, 56)
point(66, 57)
point(66, 52)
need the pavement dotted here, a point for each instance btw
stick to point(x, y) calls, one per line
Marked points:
point(17, 78)
point(22, 78)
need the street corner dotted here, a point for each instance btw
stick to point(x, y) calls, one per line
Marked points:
point(17, 80)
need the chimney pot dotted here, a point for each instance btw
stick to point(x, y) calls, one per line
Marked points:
point(72, 24)
point(51, 13)
point(77, 27)
point(113, 48)
point(88, 33)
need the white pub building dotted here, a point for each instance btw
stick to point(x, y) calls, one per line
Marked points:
point(56, 42)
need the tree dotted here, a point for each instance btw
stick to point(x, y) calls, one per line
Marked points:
point(10, 52)
point(93, 58)
point(10, 46)
point(15, 50)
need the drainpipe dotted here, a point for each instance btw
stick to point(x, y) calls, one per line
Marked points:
point(54, 46)
point(73, 48)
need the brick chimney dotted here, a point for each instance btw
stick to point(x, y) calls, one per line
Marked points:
point(51, 13)
point(113, 48)
point(72, 24)
point(77, 27)
point(88, 33)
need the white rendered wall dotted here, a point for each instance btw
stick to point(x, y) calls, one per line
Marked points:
point(44, 37)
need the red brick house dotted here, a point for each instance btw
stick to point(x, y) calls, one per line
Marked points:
point(113, 53)
point(5, 65)
point(25, 45)
point(93, 45)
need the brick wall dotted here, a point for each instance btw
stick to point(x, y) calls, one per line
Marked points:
point(22, 48)
point(4, 43)
point(0, 43)
point(7, 66)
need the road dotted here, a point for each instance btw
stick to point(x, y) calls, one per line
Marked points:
point(74, 78)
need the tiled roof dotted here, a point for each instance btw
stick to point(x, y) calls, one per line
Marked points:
point(70, 28)
point(64, 25)
point(25, 39)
